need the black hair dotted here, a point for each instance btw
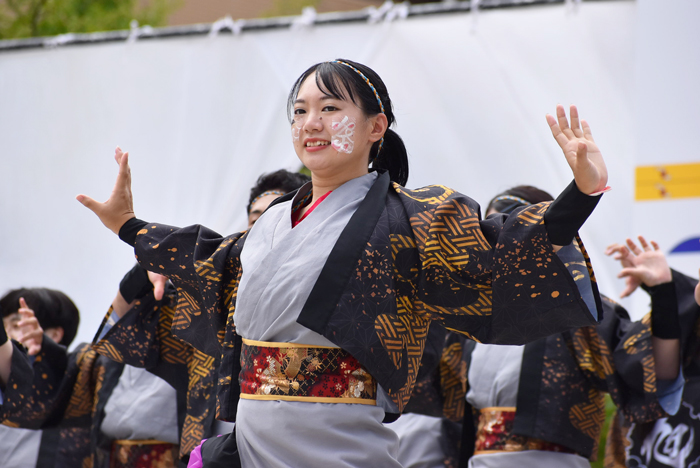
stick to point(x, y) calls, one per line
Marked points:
point(281, 180)
point(51, 308)
point(528, 193)
point(342, 82)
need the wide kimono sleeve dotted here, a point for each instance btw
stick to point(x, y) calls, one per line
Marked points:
point(56, 389)
point(496, 280)
point(143, 338)
point(205, 269)
point(617, 357)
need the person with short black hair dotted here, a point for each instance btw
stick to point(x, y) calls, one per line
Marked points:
point(38, 317)
point(270, 187)
point(55, 311)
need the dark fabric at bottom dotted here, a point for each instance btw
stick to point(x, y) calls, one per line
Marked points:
point(221, 452)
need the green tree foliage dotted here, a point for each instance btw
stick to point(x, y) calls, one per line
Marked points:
point(32, 18)
point(288, 7)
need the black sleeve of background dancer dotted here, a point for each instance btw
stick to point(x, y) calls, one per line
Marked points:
point(135, 284)
point(129, 229)
point(567, 214)
point(665, 322)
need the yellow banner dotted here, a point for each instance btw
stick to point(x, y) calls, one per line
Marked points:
point(667, 181)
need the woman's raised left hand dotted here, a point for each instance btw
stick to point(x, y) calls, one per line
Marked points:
point(582, 154)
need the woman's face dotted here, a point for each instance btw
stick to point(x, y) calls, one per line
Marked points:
point(332, 137)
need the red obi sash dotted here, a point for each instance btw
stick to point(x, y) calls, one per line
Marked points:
point(298, 372)
point(495, 434)
point(143, 454)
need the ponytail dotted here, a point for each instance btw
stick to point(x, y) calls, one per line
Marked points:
point(392, 158)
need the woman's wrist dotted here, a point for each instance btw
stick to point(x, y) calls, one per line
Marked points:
point(130, 229)
point(567, 213)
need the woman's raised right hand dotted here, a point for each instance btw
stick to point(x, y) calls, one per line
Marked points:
point(119, 207)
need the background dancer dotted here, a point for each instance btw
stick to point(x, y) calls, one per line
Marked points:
point(671, 440)
point(542, 404)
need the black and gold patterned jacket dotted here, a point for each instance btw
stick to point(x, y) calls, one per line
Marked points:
point(564, 378)
point(56, 393)
point(671, 440)
point(70, 390)
point(406, 258)
point(143, 338)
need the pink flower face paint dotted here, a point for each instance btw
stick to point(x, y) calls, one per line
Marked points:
point(343, 133)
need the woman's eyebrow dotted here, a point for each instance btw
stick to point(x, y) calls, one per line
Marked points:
point(324, 98)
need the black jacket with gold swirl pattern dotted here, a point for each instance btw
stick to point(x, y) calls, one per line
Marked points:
point(406, 258)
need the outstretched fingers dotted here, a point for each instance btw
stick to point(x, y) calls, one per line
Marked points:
point(643, 243)
point(563, 122)
point(124, 176)
point(587, 134)
point(621, 252)
point(633, 247)
point(89, 203)
point(575, 124)
point(558, 135)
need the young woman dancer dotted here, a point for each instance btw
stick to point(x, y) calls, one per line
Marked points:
point(321, 311)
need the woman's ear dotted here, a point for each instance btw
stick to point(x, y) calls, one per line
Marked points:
point(378, 125)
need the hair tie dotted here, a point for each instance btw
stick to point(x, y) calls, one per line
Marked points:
point(511, 198)
point(374, 90)
point(279, 193)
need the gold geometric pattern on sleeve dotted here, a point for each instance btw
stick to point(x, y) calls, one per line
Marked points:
point(532, 215)
point(638, 343)
point(649, 374)
point(592, 353)
point(200, 366)
point(453, 382)
point(192, 433)
point(589, 417)
point(448, 235)
point(205, 268)
point(185, 310)
point(99, 382)
point(172, 350)
point(106, 349)
point(82, 399)
point(403, 335)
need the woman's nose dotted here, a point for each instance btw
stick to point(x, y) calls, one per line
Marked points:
point(313, 122)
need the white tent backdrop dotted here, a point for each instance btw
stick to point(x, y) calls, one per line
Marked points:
point(203, 117)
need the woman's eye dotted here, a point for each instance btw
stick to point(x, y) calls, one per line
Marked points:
point(330, 108)
point(299, 111)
